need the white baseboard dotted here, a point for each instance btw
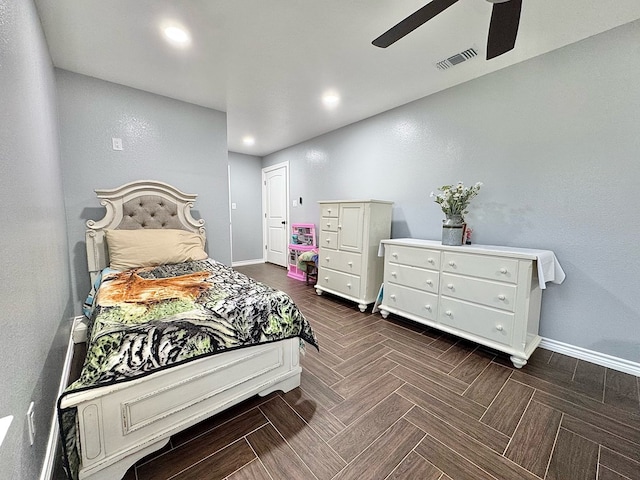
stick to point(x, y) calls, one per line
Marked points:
point(52, 443)
point(598, 358)
point(247, 262)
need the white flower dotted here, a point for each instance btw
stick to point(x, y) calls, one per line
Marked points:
point(454, 199)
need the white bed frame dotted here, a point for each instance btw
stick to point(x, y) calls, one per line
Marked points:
point(120, 424)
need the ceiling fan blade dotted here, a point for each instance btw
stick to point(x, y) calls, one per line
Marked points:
point(412, 22)
point(503, 28)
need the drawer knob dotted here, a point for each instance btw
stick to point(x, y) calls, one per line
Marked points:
point(427, 307)
point(448, 313)
point(429, 282)
point(431, 261)
point(452, 263)
point(339, 227)
point(350, 264)
point(329, 210)
point(394, 274)
point(348, 285)
point(450, 286)
point(326, 279)
point(394, 255)
point(392, 297)
point(328, 225)
point(328, 240)
point(499, 327)
point(501, 297)
point(503, 270)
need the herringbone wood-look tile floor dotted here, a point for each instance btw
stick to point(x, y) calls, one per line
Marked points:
point(388, 399)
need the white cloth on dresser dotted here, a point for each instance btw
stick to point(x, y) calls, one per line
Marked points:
point(549, 269)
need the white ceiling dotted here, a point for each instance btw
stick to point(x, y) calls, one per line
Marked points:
point(267, 62)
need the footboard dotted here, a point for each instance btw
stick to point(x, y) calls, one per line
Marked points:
point(119, 424)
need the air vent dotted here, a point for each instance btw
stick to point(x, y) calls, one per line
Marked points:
point(468, 54)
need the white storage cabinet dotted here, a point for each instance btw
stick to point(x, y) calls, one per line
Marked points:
point(484, 294)
point(348, 261)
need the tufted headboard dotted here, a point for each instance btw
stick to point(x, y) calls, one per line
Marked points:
point(135, 205)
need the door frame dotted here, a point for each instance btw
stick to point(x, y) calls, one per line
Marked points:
point(266, 170)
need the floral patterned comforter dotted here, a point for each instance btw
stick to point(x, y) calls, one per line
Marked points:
point(153, 318)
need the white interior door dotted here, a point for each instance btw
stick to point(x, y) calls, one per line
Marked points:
point(275, 199)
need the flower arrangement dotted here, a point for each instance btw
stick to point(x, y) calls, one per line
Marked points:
point(454, 199)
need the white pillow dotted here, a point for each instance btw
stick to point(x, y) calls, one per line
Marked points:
point(149, 247)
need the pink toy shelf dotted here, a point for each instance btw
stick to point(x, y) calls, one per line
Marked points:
point(303, 239)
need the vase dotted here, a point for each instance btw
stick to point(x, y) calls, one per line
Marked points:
point(453, 229)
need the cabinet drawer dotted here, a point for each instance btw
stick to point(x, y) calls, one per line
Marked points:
point(408, 300)
point(419, 278)
point(484, 266)
point(492, 294)
point(329, 210)
point(329, 224)
point(417, 257)
point(485, 322)
point(328, 239)
point(342, 261)
point(339, 282)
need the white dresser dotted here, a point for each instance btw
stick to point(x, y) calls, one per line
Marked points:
point(348, 261)
point(490, 295)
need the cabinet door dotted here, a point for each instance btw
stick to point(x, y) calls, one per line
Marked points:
point(351, 227)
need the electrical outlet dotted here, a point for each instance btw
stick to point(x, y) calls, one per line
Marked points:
point(31, 423)
point(295, 203)
point(116, 143)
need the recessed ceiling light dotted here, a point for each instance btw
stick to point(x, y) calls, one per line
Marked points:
point(248, 140)
point(331, 99)
point(177, 35)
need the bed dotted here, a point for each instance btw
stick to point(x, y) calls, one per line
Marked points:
point(173, 335)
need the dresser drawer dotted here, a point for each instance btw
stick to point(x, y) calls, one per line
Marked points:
point(346, 262)
point(329, 224)
point(339, 282)
point(419, 278)
point(483, 266)
point(329, 210)
point(328, 239)
point(488, 323)
point(417, 257)
point(412, 301)
point(492, 294)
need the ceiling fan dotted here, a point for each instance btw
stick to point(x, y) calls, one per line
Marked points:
point(503, 27)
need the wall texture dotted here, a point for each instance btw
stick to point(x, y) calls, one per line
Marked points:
point(246, 218)
point(35, 293)
point(163, 139)
point(554, 140)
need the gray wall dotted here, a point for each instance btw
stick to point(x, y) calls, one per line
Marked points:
point(35, 293)
point(163, 139)
point(555, 141)
point(246, 219)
